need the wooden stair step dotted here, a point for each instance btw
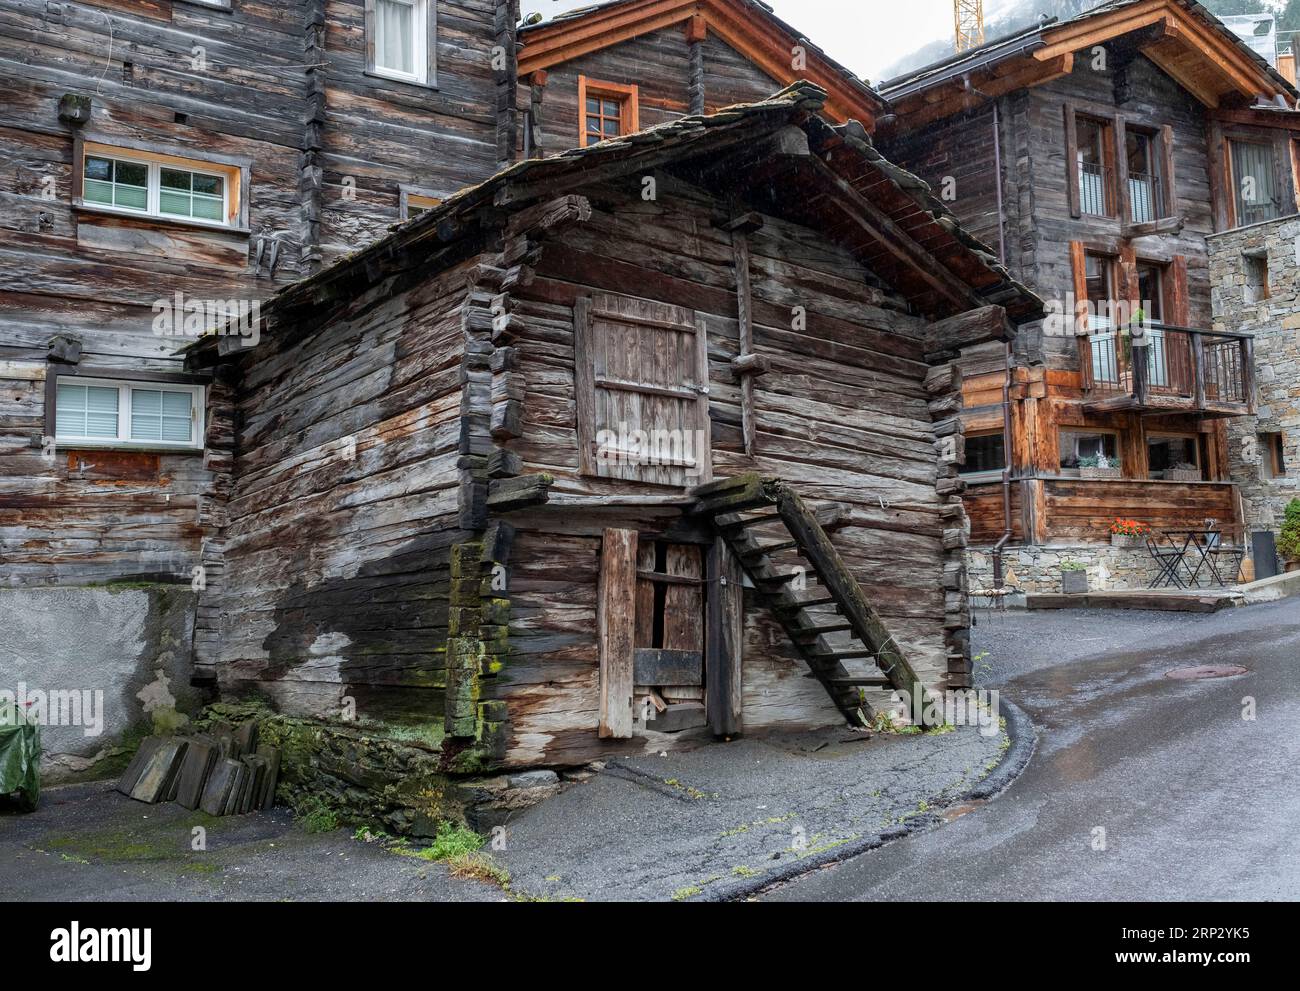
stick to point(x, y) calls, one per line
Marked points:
point(852, 653)
point(820, 597)
point(813, 632)
point(758, 550)
point(858, 682)
point(744, 522)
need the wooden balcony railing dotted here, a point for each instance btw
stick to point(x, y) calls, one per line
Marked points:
point(1162, 368)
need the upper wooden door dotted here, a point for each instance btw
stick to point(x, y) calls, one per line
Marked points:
point(642, 373)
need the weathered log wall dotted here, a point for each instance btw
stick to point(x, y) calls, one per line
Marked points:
point(343, 512)
point(277, 84)
point(842, 415)
point(661, 65)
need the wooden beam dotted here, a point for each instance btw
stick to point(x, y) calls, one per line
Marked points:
point(745, 316)
point(897, 242)
point(723, 643)
point(978, 326)
point(616, 623)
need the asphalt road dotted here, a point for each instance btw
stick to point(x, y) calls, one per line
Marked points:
point(1144, 787)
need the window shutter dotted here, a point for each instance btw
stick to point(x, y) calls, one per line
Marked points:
point(641, 374)
point(1179, 309)
point(1072, 162)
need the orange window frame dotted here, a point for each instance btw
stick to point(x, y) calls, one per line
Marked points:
point(626, 95)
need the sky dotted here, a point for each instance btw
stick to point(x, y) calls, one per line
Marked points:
point(864, 35)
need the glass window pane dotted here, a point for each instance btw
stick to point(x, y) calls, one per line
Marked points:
point(131, 174)
point(611, 126)
point(207, 207)
point(207, 184)
point(95, 191)
point(610, 108)
point(1253, 187)
point(173, 202)
point(593, 105)
point(394, 38)
point(146, 401)
point(176, 429)
point(99, 168)
point(134, 197)
point(174, 179)
point(85, 411)
point(176, 404)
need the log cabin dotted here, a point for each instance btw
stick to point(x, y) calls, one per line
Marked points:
point(616, 67)
point(1098, 153)
point(170, 157)
point(629, 447)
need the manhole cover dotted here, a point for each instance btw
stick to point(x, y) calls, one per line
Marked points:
point(1206, 671)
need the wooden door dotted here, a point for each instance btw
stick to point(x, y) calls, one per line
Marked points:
point(642, 374)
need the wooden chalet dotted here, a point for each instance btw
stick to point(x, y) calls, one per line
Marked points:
point(645, 442)
point(180, 155)
point(1098, 153)
point(617, 67)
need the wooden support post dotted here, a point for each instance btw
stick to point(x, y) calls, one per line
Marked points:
point(616, 621)
point(740, 228)
point(724, 627)
point(1198, 369)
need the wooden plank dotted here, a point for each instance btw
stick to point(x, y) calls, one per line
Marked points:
point(657, 667)
point(616, 621)
point(684, 603)
point(745, 315)
point(724, 642)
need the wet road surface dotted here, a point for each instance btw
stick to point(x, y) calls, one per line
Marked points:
point(1143, 786)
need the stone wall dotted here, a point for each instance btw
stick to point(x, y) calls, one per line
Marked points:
point(1038, 569)
point(101, 666)
point(1275, 322)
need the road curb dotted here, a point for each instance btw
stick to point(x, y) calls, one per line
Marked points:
point(1024, 740)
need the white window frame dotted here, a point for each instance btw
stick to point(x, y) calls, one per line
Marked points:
point(424, 39)
point(153, 181)
point(198, 410)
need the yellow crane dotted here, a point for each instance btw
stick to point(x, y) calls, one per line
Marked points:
point(968, 20)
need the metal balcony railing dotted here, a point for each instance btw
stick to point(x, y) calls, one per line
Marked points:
point(1145, 198)
point(1157, 362)
point(1094, 189)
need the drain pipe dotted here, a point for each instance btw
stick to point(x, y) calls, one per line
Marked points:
point(998, 571)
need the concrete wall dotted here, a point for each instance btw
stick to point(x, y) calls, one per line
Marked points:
point(118, 657)
point(1275, 322)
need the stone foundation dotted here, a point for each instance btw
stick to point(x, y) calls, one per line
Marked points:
point(1038, 569)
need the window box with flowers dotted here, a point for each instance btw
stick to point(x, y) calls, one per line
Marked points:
point(1128, 533)
point(1099, 466)
point(1183, 471)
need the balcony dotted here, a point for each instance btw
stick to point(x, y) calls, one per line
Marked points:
point(1177, 370)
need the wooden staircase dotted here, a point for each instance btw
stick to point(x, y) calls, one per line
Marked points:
point(800, 576)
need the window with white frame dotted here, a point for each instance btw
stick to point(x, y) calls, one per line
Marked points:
point(170, 189)
point(103, 412)
point(401, 38)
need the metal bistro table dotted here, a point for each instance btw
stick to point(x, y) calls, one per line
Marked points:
point(1203, 547)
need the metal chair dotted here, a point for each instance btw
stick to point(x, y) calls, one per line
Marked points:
point(1167, 556)
point(1227, 552)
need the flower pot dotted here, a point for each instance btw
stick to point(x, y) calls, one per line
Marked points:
point(1126, 540)
point(1182, 475)
point(1074, 582)
point(1100, 473)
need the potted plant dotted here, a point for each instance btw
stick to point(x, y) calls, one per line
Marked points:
point(1098, 466)
point(1182, 472)
point(1128, 533)
point(1074, 578)
point(1288, 544)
